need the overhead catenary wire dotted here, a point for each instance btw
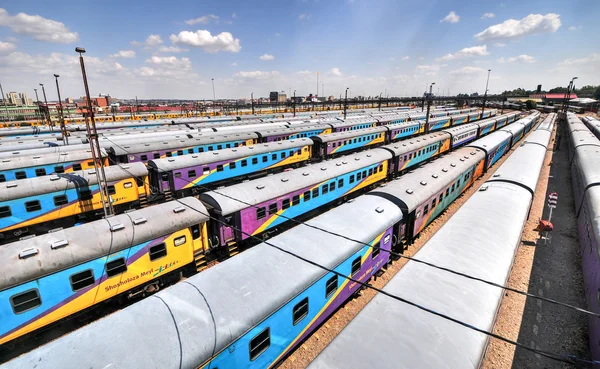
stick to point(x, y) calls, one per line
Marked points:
point(569, 359)
point(399, 255)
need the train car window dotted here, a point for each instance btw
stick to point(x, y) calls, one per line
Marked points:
point(33, 206)
point(210, 148)
point(76, 166)
point(355, 140)
point(458, 183)
point(164, 177)
point(433, 203)
point(244, 163)
point(144, 157)
point(195, 231)
point(324, 189)
point(191, 173)
point(111, 190)
point(219, 147)
point(376, 250)
point(426, 209)
point(156, 155)
point(57, 169)
point(273, 208)
point(220, 168)
point(190, 151)
point(85, 194)
point(285, 204)
point(254, 160)
point(232, 165)
point(177, 175)
point(82, 280)
point(380, 167)
point(25, 301)
point(364, 175)
point(341, 182)
point(371, 171)
point(282, 155)
point(2, 178)
point(5, 211)
point(265, 158)
point(20, 175)
point(447, 192)
point(405, 157)
point(331, 286)
point(273, 156)
point(228, 146)
point(356, 264)
point(306, 196)
point(334, 144)
point(358, 176)
point(168, 154)
point(295, 200)
point(315, 192)
point(300, 311)
point(332, 186)
point(201, 149)
point(260, 343)
point(40, 172)
point(452, 188)
point(157, 251)
point(260, 213)
point(116, 267)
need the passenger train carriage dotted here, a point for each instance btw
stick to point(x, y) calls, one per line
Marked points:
point(49, 277)
point(252, 316)
point(37, 205)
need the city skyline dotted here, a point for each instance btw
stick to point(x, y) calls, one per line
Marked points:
point(167, 52)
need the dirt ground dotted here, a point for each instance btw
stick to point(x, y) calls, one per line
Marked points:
point(552, 270)
point(508, 323)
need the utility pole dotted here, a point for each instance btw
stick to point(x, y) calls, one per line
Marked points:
point(94, 144)
point(61, 118)
point(37, 101)
point(214, 97)
point(428, 105)
point(485, 93)
point(380, 101)
point(570, 87)
point(317, 84)
point(4, 101)
point(47, 110)
point(294, 103)
point(252, 101)
point(346, 102)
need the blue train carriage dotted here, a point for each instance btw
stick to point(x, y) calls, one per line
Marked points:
point(53, 276)
point(195, 173)
point(340, 143)
point(20, 151)
point(281, 134)
point(427, 192)
point(254, 324)
point(292, 194)
point(142, 152)
point(398, 131)
point(486, 126)
point(410, 153)
point(28, 166)
point(473, 116)
point(436, 124)
point(391, 119)
point(37, 205)
point(460, 119)
point(352, 124)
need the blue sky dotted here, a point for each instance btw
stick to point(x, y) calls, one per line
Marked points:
point(161, 49)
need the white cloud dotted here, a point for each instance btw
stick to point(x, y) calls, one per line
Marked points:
point(336, 72)
point(466, 71)
point(488, 15)
point(266, 57)
point(304, 16)
point(530, 25)
point(205, 19)
point(127, 54)
point(234, 64)
point(6, 47)
point(518, 59)
point(429, 70)
point(38, 27)
point(451, 18)
point(303, 72)
point(172, 49)
point(154, 40)
point(592, 59)
point(173, 61)
point(575, 28)
point(255, 75)
point(224, 41)
point(135, 43)
point(498, 44)
point(467, 52)
point(406, 57)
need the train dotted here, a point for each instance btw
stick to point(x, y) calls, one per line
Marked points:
point(254, 292)
point(481, 239)
point(584, 153)
point(159, 184)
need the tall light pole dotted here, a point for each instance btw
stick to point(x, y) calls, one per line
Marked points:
point(485, 93)
point(47, 109)
point(346, 102)
point(94, 144)
point(61, 118)
point(428, 105)
point(37, 101)
point(214, 97)
point(380, 101)
point(317, 84)
point(4, 101)
point(570, 88)
point(294, 103)
point(252, 101)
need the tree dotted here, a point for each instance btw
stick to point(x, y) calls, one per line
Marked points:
point(530, 104)
point(597, 93)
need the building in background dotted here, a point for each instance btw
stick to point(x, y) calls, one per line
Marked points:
point(282, 97)
point(13, 98)
point(273, 96)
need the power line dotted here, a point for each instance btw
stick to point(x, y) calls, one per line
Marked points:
point(569, 359)
point(399, 255)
